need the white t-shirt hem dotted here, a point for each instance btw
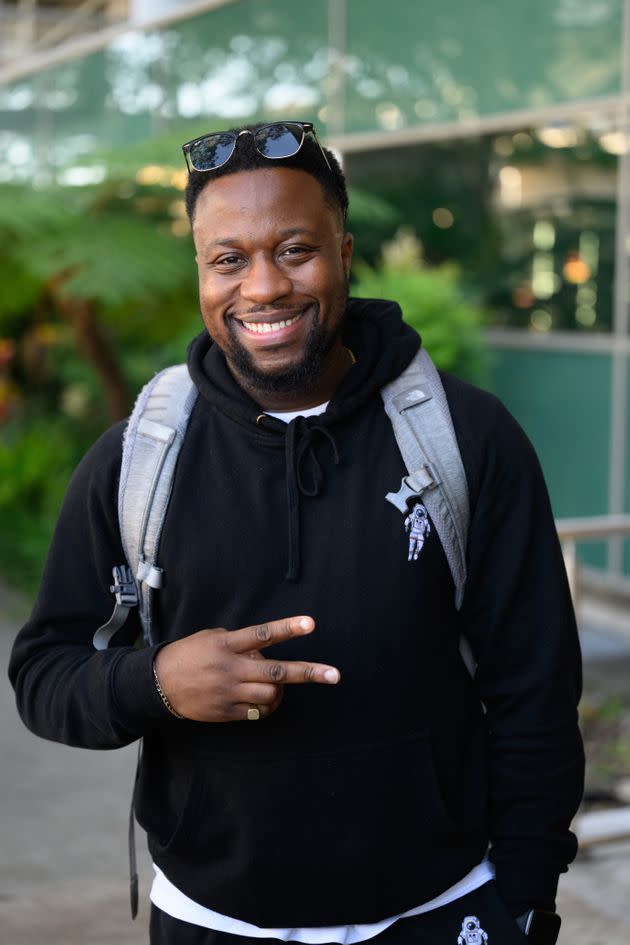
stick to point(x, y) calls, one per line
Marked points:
point(166, 896)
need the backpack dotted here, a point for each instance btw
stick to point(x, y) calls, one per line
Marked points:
point(416, 405)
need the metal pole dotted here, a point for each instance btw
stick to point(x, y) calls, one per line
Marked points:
point(621, 323)
point(25, 29)
point(336, 117)
point(569, 553)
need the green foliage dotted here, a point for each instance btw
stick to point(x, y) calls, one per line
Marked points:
point(114, 259)
point(100, 246)
point(20, 289)
point(27, 214)
point(368, 209)
point(114, 248)
point(35, 461)
point(23, 219)
point(432, 302)
point(371, 220)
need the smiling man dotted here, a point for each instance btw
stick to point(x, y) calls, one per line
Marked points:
point(383, 793)
point(273, 296)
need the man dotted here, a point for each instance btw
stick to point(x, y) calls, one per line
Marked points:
point(362, 803)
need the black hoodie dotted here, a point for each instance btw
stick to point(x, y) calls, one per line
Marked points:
point(359, 801)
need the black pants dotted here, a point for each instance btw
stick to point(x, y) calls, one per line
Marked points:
point(467, 921)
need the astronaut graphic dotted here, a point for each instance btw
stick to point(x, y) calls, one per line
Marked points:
point(417, 526)
point(472, 933)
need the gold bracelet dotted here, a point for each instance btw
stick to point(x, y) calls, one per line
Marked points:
point(163, 696)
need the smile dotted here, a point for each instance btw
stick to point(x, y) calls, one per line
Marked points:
point(265, 328)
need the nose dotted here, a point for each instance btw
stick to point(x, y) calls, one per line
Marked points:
point(265, 281)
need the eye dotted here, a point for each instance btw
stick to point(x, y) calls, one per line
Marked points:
point(228, 262)
point(297, 251)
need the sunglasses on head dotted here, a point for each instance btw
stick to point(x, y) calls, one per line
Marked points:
point(280, 139)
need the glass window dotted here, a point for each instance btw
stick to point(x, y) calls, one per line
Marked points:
point(444, 61)
point(529, 216)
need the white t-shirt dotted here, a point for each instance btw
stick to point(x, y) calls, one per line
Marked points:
point(288, 415)
point(170, 900)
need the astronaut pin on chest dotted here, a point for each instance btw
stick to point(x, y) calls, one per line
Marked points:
point(472, 933)
point(418, 527)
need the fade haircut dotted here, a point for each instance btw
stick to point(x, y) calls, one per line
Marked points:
point(247, 158)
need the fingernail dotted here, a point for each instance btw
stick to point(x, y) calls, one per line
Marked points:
point(305, 624)
point(331, 675)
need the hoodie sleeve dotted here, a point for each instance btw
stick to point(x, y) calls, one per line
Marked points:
point(65, 689)
point(520, 622)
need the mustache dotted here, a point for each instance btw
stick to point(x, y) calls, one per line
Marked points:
point(268, 309)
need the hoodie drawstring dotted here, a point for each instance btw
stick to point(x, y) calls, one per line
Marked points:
point(299, 449)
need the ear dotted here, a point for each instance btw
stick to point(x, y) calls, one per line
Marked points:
point(347, 245)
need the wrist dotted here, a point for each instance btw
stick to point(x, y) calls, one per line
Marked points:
point(165, 700)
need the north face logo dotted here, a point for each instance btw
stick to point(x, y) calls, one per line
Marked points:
point(417, 526)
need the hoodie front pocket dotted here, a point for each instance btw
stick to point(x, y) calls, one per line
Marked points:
point(349, 806)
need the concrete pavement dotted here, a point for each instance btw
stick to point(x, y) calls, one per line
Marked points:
point(63, 828)
point(63, 859)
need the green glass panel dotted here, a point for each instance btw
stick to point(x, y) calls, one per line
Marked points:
point(562, 401)
point(427, 62)
point(445, 60)
point(241, 62)
point(531, 227)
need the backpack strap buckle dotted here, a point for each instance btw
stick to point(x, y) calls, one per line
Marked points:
point(413, 486)
point(124, 588)
point(126, 596)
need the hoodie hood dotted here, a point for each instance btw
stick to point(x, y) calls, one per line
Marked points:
point(382, 344)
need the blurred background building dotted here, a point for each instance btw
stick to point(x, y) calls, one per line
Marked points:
point(497, 132)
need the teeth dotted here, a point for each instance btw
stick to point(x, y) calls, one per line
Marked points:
point(262, 328)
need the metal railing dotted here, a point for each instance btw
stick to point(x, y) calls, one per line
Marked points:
point(572, 531)
point(611, 825)
point(80, 19)
point(28, 28)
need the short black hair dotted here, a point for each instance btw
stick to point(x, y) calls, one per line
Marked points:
point(247, 158)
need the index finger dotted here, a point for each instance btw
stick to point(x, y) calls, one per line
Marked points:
point(266, 634)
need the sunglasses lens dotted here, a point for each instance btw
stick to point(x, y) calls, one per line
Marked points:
point(212, 152)
point(280, 140)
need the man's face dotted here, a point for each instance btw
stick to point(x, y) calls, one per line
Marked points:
point(273, 263)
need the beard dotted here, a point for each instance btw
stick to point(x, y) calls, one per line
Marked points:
point(303, 376)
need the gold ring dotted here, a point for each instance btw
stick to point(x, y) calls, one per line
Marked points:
point(253, 713)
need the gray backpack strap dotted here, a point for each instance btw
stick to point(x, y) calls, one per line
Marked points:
point(416, 405)
point(151, 445)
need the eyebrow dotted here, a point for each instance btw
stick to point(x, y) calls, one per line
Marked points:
point(295, 230)
point(284, 234)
